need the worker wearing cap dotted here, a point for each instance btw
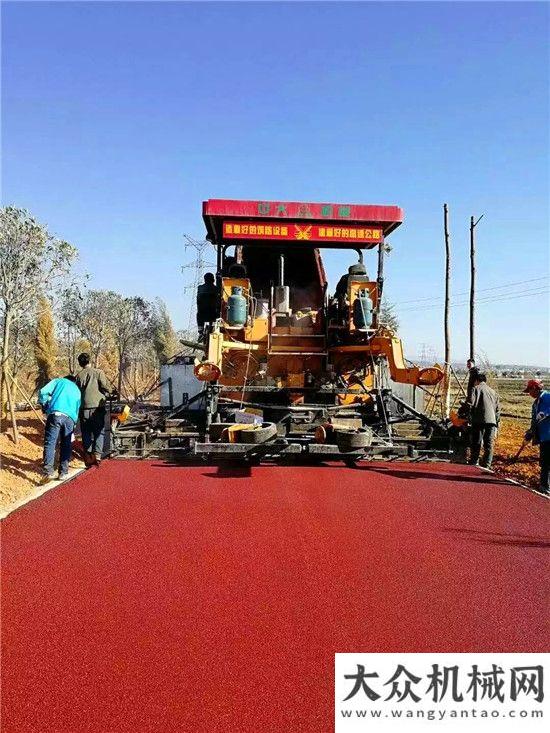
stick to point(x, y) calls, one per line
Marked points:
point(485, 416)
point(539, 432)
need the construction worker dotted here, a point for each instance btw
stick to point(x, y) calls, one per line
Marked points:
point(237, 270)
point(60, 400)
point(473, 371)
point(539, 432)
point(207, 302)
point(95, 388)
point(485, 417)
point(341, 292)
point(358, 269)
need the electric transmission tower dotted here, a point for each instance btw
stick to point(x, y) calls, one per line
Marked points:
point(198, 266)
point(423, 357)
point(427, 355)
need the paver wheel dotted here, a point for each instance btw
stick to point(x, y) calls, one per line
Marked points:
point(262, 434)
point(348, 440)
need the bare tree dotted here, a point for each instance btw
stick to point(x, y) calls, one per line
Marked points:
point(69, 318)
point(32, 261)
point(21, 345)
point(165, 340)
point(485, 364)
point(130, 322)
point(141, 367)
point(186, 335)
point(388, 316)
point(100, 309)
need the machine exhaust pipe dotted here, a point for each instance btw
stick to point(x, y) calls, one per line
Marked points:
point(282, 291)
point(281, 270)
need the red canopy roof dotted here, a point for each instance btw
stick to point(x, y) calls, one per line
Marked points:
point(353, 225)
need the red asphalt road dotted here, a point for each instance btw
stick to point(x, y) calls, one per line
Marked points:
point(148, 597)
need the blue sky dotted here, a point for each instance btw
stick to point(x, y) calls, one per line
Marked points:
point(120, 118)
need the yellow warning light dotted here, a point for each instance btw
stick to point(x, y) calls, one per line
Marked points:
point(207, 372)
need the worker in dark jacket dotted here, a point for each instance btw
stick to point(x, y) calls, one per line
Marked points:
point(341, 292)
point(207, 302)
point(473, 371)
point(95, 388)
point(485, 417)
point(539, 432)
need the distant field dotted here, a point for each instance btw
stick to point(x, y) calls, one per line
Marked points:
point(512, 402)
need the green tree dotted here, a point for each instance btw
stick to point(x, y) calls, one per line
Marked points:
point(45, 344)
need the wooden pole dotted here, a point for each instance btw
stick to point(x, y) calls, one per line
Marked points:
point(25, 396)
point(12, 411)
point(447, 383)
point(472, 287)
point(473, 225)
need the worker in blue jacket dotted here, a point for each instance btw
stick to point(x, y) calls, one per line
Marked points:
point(539, 432)
point(60, 400)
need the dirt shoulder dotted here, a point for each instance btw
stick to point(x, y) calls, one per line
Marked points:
point(510, 437)
point(20, 464)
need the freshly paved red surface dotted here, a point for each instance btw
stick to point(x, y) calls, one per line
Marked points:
point(145, 597)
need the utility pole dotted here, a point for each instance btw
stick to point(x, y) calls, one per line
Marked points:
point(446, 385)
point(198, 265)
point(473, 225)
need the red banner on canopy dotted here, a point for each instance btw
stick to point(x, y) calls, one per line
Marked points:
point(301, 232)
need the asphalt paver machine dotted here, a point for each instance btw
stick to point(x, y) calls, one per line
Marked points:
point(287, 366)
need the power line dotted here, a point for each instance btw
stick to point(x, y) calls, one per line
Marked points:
point(483, 290)
point(482, 301)
point(511, 296)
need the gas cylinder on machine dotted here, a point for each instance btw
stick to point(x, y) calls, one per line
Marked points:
point(236, 307)
point(362, 310)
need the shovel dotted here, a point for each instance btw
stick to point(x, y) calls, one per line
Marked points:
point(520, 451)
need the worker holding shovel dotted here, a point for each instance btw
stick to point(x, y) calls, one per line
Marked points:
point(539, 432)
